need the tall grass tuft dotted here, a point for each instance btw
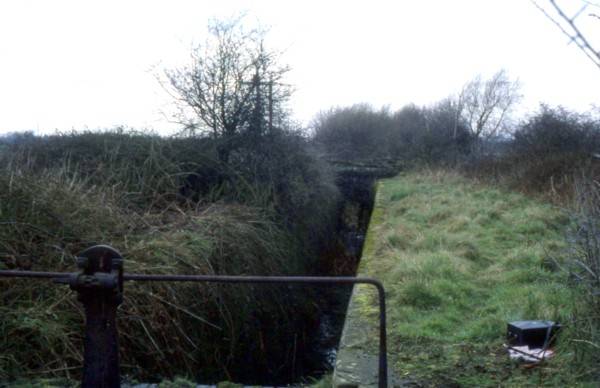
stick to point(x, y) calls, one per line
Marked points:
point(169, 207)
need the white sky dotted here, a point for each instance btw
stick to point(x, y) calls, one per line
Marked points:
point(92, 64)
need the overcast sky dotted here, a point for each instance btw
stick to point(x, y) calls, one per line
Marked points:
point(92, 64)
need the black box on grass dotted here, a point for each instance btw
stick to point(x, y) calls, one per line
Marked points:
point(532, 333)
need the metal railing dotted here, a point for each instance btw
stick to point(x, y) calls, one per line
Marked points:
point(99, 286)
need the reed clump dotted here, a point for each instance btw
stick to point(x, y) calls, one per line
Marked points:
point(169, 206)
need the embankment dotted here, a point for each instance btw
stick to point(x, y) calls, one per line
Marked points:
point(458, 261)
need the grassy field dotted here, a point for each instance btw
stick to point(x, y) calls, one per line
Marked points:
point(459, 260)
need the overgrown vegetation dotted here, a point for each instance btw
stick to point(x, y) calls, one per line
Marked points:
point(242, 191)
point(543, 156)
point(459, 260)
point(171, 207)
point(539, 155)
point(236, 193)
point(583, 265)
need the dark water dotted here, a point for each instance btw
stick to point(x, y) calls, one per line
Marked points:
point(310, 347)
point(352, 227)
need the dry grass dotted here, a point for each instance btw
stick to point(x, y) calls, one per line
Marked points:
point(128, 194)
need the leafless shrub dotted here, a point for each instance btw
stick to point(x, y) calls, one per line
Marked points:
point(583, 264)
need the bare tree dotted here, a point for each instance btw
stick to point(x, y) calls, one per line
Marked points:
point(232, 85)
point(567, 24)
point(484, 105)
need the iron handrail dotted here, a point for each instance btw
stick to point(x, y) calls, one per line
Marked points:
point(321, 280)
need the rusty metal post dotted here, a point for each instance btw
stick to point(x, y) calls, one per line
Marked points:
point(100, 288)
